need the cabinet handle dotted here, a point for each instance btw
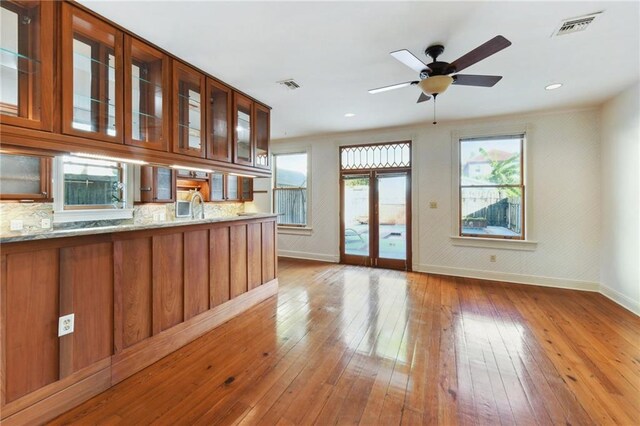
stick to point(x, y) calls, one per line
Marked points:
point(145, 189)
point(44, 193)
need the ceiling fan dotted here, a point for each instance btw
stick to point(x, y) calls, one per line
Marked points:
point(435, 77)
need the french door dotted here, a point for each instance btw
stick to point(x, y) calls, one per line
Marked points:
point(375, 218)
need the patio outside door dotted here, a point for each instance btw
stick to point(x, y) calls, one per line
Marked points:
point(375, 218)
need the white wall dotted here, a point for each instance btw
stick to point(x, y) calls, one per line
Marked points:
point(564, 190)
point(620, 271)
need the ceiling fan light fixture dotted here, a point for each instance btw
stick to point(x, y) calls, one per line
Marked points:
point(435, 84)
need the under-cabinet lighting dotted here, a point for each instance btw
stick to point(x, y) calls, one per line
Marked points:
point(553, 86)
point(195, 169)
point(108, 158)
point(241, 175)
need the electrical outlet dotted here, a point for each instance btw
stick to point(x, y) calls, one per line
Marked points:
point(433, 204)
point(16, 225)
point(492, 258)
point(156, 217)
point(45, 223)
point(66, 324)
point(163, 217)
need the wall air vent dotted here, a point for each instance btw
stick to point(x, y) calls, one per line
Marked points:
point(574, 25)
point(289, 84)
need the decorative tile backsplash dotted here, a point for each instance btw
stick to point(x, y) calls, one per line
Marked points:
point(32, 214)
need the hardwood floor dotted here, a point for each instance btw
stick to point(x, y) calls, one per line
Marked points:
point(343, 344)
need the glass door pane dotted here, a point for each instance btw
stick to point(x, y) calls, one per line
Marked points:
point(392, 216)
point(243, 149)
point(20, 60)
point(219, 117)
point(146, 85)
point(233, 193)
point(189, 112)
point(356, 214)
point(262, 136)
point(92, 83)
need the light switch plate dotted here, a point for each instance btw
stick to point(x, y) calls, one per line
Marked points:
point(16, 225)
point(66, 324)
point(433, 204)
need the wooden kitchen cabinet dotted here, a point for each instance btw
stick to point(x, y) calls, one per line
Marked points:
point(243, 140)
point(92, 76)
point(262, 136)
point(157, 184)
point(219, 137)
point(137, 296)
point(147, 86)
point(227, 187)
point(188, 111)
point(25, 177)
point(26, 94)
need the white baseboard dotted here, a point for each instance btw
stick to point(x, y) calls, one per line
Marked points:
point(309, 256)
point(510, 277)
point(620, 299)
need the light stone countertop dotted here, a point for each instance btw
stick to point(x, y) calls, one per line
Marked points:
point(61, 233)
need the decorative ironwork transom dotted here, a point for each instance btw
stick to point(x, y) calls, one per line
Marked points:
point(375, 156)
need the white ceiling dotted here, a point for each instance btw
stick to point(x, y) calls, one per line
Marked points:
point(338, 50)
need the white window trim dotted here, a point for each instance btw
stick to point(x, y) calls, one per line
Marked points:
point(60, 215)
point(288, 229)
point(529, 243)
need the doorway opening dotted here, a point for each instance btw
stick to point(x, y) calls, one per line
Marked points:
point(375, 205)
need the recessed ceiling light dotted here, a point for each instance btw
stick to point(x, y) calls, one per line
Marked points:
point(553, 86)
point(349, 114)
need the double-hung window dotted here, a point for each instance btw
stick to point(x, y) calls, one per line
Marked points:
point(491, 187)
point(290, 196)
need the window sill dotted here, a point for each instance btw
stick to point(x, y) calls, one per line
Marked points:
point(294, 230)
point(506, 244)
point(87, 215)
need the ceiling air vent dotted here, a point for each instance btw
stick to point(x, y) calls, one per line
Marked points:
point(574, 25)
point(289, 84)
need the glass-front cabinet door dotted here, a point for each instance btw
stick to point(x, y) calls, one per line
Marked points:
point(242, 120)
point(146, 104)
point(188, 112)
point(26, 63)
point(91, 76)
point(247, 188)
point(217, 187)
point(218, 120)
point(232, 188)
point(262, 136)
point(25, 177)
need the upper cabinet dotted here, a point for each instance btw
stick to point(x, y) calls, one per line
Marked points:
point(243, 141)
point(146, 102)
point(262, 136)
point(67, 71)
point(188, 111)
point(218, 121)
point(26, 63)
point(92, 76)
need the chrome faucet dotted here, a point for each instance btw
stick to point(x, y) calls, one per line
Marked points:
point(198, 195)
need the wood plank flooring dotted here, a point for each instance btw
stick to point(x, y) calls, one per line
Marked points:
point(345, 345)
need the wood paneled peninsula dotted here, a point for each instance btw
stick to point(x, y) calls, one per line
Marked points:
point(137, 292)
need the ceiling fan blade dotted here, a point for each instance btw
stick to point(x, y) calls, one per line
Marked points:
point(476, 80)
point(423, 97)
point(409, 59)
point(392, 87)
point(481, 52)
